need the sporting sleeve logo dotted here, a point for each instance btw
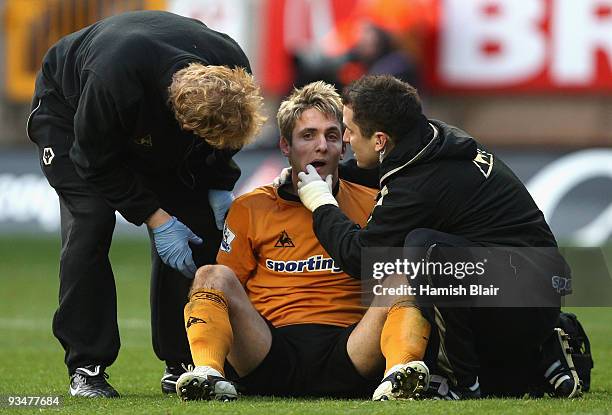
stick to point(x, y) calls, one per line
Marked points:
point(228, 238)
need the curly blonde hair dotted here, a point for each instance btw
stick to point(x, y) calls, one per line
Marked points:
point(318, 95)
point(219, 104)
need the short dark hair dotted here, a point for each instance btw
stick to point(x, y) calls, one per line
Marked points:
point(383, 103)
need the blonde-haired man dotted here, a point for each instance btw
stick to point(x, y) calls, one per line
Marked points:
point(139, 113)
point(288, 320)
point(219, 104)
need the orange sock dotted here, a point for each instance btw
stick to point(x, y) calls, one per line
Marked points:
point(404, 336)
point(208, 328)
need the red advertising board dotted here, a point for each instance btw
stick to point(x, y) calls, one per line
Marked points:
point(522, 46)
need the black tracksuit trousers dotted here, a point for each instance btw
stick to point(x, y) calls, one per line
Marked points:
point(85, 322)
point(499, 346)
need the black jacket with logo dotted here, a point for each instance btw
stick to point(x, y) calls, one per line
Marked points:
point(438, 177)
point(112, 78)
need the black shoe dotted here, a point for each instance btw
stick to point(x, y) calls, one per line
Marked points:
point(439, 389)
point(171, 375)
point(561, 378)
point(90, 382)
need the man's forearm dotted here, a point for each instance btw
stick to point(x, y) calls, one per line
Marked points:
point(338, 235)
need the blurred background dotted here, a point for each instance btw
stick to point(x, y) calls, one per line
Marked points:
point(531, 79)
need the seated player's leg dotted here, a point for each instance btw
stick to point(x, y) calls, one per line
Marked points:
point(393, 332)
point(221, 323)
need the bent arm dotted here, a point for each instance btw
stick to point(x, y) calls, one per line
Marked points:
point(392, 219)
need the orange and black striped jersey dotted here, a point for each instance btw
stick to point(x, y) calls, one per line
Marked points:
point(268, 241)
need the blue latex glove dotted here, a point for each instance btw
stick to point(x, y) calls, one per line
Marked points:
point(172, 244)
point(220, 202)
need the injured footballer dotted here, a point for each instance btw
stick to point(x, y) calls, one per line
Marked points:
point(276, 316)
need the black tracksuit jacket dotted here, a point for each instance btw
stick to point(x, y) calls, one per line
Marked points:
point(111, 80)
point(437, 177)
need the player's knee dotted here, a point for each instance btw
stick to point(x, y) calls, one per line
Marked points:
point(218, 277)
point(394, 281)
point(393, 288)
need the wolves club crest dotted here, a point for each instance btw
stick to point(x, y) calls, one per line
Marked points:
point(47, 156)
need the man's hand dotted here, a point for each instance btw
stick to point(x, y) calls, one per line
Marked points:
point(313, 191)
point(282, 178)
point(172, 243)
point(220, 201)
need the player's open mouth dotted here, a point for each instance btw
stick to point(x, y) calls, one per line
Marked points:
point(317, 163)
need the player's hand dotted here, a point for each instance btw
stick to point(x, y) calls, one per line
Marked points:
point(172, 244)
point(282, 178)
point(220, 201)
point(313, 191)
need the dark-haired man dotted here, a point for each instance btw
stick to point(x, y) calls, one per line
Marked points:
point(440, 188)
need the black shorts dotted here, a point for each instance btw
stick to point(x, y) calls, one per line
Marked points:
point(308, 360)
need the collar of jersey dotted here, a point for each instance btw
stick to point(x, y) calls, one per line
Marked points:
point(284, 194)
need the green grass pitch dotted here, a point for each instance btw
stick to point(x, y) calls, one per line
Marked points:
point(31, 359)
